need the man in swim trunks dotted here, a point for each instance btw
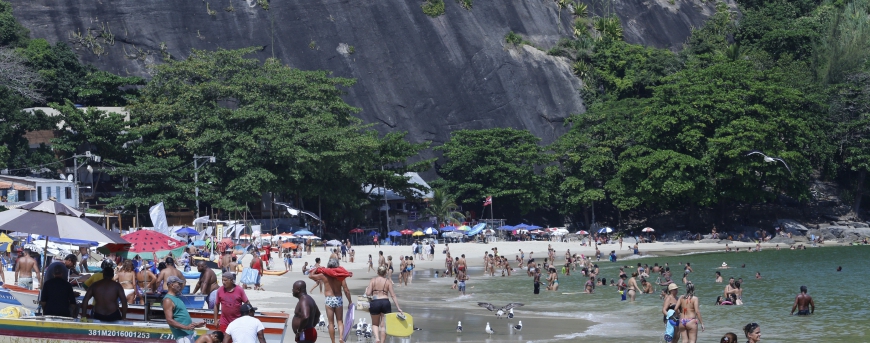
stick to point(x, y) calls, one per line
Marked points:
point(803, 302)
point(461, 276)
point(461, 265)
point(106, 294)
point(25, 267)
point(208, 283)
point(170, 270)
point(306, 315)
point(334, 302)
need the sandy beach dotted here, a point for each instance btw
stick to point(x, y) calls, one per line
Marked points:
point(436, 314)
point(436, 308)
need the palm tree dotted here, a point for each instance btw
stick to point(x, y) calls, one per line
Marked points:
point(443, 206)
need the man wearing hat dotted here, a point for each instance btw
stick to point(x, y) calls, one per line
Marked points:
point(180, 323)
point(245, 329)
point(68, 264)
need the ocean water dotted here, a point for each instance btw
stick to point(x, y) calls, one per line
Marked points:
point(842, 314)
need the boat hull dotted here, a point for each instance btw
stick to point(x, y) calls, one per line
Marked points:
point(44, 330)
point(275, 323)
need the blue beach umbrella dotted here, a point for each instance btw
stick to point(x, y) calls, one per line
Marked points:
point(394, 233)
point(506, 228)
point(605, 230)
point(186, 231)
point(303, 233)
point(448, 228)
point(431, 231)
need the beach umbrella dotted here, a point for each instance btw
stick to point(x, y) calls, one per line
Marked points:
point(582, 232)
point(648, 229)
point(394, 233)
point(418, 233)
point(266, 235)
point(431, 231)
point(488, 231)
point(463, 228)
point(506, 228)
point(54, 219)
point(374, 233)
point(289, 245)
point(186, 231)
point(144, 241)
point(448, 228)
point(406, 232)
point(312, 237)
point(333, 242)
point(522, 226)
point(303, 233)
point(286, 235)
point(19, 234)
point(536, 232)
point(357, 230)
point(533, 227)
point(520, 231)
point(605, 230)
point(199, 243)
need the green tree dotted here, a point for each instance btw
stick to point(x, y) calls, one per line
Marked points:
point(443, 207)
point(850, 111)
point(11, 32)
point(272, 128)
point(14, 123)
point(59, 68)
point(498, 162)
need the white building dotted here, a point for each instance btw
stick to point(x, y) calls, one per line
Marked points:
point(16, 190)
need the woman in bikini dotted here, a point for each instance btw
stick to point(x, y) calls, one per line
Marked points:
point(631, 287)
point(380, 290)
point(448, 265)
point(126, 277)
point(690, 317)
point(553, 280)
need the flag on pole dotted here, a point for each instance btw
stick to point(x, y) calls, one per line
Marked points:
point(158, 218)
point(488, 201)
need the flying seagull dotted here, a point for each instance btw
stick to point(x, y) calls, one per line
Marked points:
point(500, 311)
point(459, 326)
point(770, 159)
point(489, 330)
point(519, 327)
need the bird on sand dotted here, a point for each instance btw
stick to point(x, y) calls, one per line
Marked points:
point(499, 311)
point(770, 159)
point(510, 313)
point(489, 329)
point(321, 324)
point(459, 326)
point(519, 327)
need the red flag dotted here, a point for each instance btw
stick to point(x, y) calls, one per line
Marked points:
point(488, 201)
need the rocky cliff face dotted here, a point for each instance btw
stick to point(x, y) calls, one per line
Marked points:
point(424, 75)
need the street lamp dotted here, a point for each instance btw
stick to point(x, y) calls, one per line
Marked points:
point(90, 156)
point(211, 159)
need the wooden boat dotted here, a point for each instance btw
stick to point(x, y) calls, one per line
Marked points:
point(66, 330)
point(29, 299)
point(274, 272)
point(6, 298)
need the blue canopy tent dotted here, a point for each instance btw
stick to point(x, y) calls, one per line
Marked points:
point(506, 228)
point(532, 227)
point(522, 226)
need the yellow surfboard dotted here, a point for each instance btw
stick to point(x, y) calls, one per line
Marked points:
point(397, 327)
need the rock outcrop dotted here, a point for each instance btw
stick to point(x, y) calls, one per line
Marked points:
point(428, 76)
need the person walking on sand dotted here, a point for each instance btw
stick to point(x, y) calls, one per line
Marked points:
point(305, 316)
point(690, 315)
point(803, 302)
point(370, 264)
point(380, 289)
point(333, 277)
point(381, 260)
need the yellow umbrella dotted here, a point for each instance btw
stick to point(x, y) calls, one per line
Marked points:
point(5, 239)
point(418, 233)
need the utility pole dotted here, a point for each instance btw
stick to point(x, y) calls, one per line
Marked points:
point(87, 154)
point(386, 204)
point(211, 159)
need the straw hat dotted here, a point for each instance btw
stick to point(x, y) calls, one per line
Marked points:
point(724, 264)
point(672, 287)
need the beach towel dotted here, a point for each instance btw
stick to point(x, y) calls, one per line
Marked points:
point(249, 276)
point(338, 273)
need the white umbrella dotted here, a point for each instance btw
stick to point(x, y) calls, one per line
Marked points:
point(648, 229)
point(582, 232)
point(333, 242)
point(431, 231)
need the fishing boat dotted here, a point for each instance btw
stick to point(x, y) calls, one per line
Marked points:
point(6, 298)
point(39, 329)
point(275, 323)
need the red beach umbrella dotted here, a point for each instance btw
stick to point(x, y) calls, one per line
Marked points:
point(406, 232)
point(151, 241)
point(357, 230)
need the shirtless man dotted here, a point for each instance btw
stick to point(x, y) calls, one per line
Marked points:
point(25, 267)
point(83, 265)
point(647, 286)
point(106, 294)
point(126, 276)
point(334, 302)
point(461, 264)
point(226, 260)
point(306, 315)
point(146, 279)
point(208, 283)
point(164, 274)
point(730, 289)
point(803, 302)
point(381, 261)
